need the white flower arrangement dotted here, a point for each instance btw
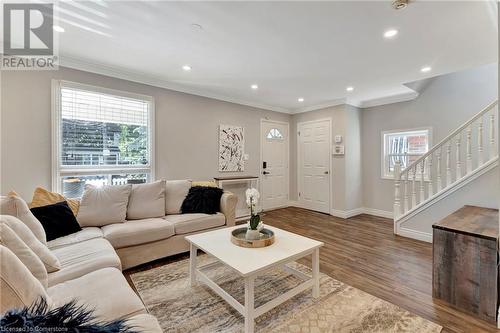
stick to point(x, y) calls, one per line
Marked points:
point(253, 196)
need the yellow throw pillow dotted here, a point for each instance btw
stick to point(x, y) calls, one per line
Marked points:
point(42, 197)
point(204, 183)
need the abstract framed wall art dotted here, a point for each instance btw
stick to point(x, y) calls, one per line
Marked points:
point(231, 148)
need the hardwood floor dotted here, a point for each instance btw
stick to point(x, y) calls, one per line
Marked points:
point(363, 252)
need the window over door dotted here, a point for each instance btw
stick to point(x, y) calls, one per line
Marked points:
point(100, 137)
point(405, 146)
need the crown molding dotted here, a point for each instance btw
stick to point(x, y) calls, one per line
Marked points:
point(120, 73)
point(316, 107)
point(404, 97)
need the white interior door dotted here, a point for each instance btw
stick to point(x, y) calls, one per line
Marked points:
point(274, 164)
point(314, 146)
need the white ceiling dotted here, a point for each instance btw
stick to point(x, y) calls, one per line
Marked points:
point(303, 49)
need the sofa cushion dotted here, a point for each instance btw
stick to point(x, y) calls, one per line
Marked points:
point(16, 206)
point(146, 201)
point(18, 286)
point(82, 258)
point(77, 237)
point(186, 223)
point(104, 290)
point(49, 260)
point(13, 242)
point(57, 220)
point(42, 197)
point(103, 205)
point(176, 192)
point(137, 232)
point(144, 323)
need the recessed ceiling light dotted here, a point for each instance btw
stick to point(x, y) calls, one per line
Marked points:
point(187, 68)
point(390, 33)
point(58, 28)
point(196, 26)
point(300, 99)
point(349, 89)
point(425, 69)
point(254, 86)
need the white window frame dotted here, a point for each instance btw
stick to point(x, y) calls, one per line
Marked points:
point(383, 146)
point(58, 170)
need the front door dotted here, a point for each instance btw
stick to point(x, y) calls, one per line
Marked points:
point(314, 165)
point(274, 164)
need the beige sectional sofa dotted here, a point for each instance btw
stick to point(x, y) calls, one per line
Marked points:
point(91, 260)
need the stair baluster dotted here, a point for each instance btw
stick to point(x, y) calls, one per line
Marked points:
point(414, 187)
point(468, 164)
point(422, 181)
point(480, 153)
point(430, 188)
point(439, 182)
point(493, 149)
point(457, 157)
point(448, 164)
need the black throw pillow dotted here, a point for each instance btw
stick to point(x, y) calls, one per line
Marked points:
point(57, 220)
point(202, 199)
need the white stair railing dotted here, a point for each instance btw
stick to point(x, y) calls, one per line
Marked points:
point(454, 158)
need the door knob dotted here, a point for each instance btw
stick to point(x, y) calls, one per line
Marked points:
point(265, 172)
point(326, 172)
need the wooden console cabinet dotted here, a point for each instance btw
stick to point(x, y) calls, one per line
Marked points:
point(465, 261)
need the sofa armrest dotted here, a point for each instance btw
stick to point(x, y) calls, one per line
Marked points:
point(228, 203)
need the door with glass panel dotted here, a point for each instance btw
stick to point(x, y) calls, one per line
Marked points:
point(274, 164)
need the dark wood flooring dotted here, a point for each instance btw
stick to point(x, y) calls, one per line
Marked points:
point(363, 252)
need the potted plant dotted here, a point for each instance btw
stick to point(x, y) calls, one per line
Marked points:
point(255, 224)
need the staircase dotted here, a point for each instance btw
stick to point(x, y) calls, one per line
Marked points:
point(467, 153)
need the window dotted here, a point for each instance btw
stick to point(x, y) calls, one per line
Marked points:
point(275, 134)
point(100, 137)
point(405, 146)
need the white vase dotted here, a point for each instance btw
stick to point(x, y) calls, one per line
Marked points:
point(252, 234)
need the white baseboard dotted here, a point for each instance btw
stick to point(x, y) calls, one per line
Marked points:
point(415, 234)
point(345, 214)
point(379, 213)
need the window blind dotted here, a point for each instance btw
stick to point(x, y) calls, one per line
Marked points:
point(100, 129)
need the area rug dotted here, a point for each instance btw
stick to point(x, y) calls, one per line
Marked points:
point(166, 292)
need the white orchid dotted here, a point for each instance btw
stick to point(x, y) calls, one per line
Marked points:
point(253, 196)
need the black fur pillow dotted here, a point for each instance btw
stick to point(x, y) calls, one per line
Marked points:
point(69, 317)
point(202, 199)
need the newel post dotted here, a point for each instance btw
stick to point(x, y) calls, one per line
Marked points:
point(397, 190)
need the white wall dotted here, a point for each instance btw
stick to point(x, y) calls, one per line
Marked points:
point(186, 128)
point(444, 103)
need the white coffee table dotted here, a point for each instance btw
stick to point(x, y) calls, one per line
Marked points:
point(248, 263)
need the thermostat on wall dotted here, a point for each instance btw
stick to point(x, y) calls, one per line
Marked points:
point(338, 150)
point(338, 138)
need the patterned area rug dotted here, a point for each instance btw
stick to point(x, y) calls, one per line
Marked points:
point(341, 308)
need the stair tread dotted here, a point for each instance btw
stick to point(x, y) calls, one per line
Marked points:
point(478, 221)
